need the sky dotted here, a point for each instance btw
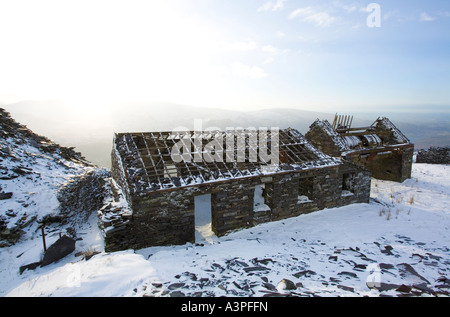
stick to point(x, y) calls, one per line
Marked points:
point(321, 55)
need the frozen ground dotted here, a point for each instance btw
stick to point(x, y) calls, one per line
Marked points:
point(397, 245)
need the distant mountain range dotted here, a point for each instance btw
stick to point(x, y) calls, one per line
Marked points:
point(91, 130)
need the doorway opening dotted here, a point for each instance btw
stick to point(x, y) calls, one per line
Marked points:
point(203, 219)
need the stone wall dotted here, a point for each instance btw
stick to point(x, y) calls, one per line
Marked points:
point(323, 137)
point(390, 163)
point(434, 155)
point(82, 195)
point(168, 217)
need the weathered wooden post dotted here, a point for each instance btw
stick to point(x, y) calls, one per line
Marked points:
point(43, 238)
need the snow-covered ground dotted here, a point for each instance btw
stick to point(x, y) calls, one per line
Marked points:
point(400, 238)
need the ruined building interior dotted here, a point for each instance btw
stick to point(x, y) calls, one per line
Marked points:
point(381, 147)
point(162, 193)
point(229, 180)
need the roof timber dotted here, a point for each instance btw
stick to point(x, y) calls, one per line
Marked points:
point(214, 156)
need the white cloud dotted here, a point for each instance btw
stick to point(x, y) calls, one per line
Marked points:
point(391, 15)
point(245, 71)
point(424, 17)
point(272, 6)
point(281, 34)
point(349, 8)
point(311, 15)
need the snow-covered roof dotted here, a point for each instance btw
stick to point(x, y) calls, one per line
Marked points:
point(148, 162)
point(396, 135)
point(340, 142)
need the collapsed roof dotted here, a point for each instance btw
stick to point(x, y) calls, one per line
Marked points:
point(148, 162)
point(381, 133)
point(381, 148)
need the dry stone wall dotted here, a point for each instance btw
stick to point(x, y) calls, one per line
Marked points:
point(434, 155)
point(391, 163)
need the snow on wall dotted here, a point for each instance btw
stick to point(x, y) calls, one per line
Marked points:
point(397, 135)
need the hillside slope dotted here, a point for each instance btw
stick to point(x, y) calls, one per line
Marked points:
point(397, 245)
point(38, 180)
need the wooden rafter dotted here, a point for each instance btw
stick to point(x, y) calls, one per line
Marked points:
point(155, 148)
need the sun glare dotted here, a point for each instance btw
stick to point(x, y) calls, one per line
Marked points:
point(106, 51)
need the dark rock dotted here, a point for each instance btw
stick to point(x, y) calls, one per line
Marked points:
point(386, 266)
point(192, 276)
point(406, 270)
point(175, 286)
point(418, 256)
point(335, 280)
point(360, 267)
point(272, 294)
point(8, 177)
point(424, 288)
point(61, 248)
point(255, 269)
point(382, 287)
point(12, 235)
point(306, 273)
point(404, 288)
point(346, 288)
point(20, 170)
point(350, 274)
point(387, 250)
point(243, 264)
point(263, 261)
point(270, 286)
point(25, 221)
point(30, 266)
point(49, 219)
point(444, 280)
point(10, 213)
point(4, 196)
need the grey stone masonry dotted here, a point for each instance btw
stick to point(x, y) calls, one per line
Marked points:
point(167, 216)
point(380, 148)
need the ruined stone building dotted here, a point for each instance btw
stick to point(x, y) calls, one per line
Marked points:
point(162, 192)
point(381, 148)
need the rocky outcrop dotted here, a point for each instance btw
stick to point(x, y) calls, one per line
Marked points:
point(21, 135)
point(32, 169)
point(60, 249)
